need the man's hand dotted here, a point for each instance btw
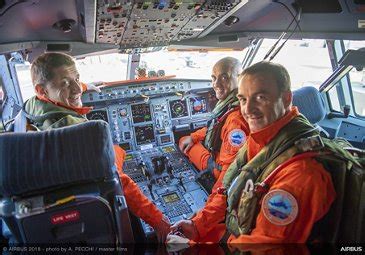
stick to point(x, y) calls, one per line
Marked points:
point(186, 144)
point(162, 229)
point(93, 86)
point(187, 228)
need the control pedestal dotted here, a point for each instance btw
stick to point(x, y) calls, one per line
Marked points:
point(167, 178)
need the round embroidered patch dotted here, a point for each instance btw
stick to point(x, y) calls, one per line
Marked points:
point(237, 137)
point(280, 207)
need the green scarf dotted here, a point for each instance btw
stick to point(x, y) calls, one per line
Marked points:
point(212, 140)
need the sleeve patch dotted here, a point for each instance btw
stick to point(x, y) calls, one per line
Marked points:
point(237, 138)
point(280, 207)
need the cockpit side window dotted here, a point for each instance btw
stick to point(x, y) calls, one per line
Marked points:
point(357, 81)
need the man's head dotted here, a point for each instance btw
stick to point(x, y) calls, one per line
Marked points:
point(224, 76)
point(264, 94)
point(54, 76)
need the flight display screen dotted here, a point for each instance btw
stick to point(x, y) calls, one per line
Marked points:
point(144, 134)
point(178, 108)
point(198, 105)
point(141, 113)
point(170, 198)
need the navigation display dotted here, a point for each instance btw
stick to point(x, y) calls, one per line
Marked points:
point(141, 113)
point(198, 105)
point(144, 134)
point(178, 108)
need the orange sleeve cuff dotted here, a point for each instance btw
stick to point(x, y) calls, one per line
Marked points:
point(199, 156)
point(198, 135)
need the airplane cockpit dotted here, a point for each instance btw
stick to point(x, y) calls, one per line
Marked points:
point(149, 63)
point(146, 119)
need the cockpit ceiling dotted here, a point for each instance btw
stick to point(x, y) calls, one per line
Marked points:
point(329, 19)
point(125, 24)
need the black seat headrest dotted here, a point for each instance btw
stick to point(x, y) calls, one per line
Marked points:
point(39, 160)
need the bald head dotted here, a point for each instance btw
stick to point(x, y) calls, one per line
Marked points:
point(225, 76)
point(229, 63)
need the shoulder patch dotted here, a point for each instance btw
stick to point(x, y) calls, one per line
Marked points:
point(237, 137)
point(280, 207)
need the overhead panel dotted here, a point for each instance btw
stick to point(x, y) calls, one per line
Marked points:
point(134, 24)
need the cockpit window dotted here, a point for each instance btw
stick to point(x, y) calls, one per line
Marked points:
point(113, 67)
point(186, 64)
point(25, 80)
point(357, 80)
point(307, 61)
point(108, 67)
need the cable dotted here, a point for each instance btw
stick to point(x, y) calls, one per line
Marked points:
point(9, 7)
point(278, 40)
point(296, 19)
point(291, 34)
point(291, 13)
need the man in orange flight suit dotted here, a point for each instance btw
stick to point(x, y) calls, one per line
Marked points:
point(227, 125)
point(303, 186)
point(58, 89)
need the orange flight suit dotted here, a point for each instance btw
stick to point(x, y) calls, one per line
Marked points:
point(306, 180)
point(199, 155)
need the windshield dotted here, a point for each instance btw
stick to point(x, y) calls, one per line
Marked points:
point(186, 64)
point(109, 67)
point(113, 67)
point(307, 61)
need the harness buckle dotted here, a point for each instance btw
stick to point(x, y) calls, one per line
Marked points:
point(249, 188)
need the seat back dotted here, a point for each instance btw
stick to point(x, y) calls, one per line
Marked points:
point(310, 103)
point(61, 186)
point(345, 221)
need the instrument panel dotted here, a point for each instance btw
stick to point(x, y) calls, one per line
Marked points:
point(144, 118)
point(144, 115)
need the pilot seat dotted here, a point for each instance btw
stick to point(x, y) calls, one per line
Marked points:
point(61, 186)
point(345, 221)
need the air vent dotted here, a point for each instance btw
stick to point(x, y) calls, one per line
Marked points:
point(64, 25)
